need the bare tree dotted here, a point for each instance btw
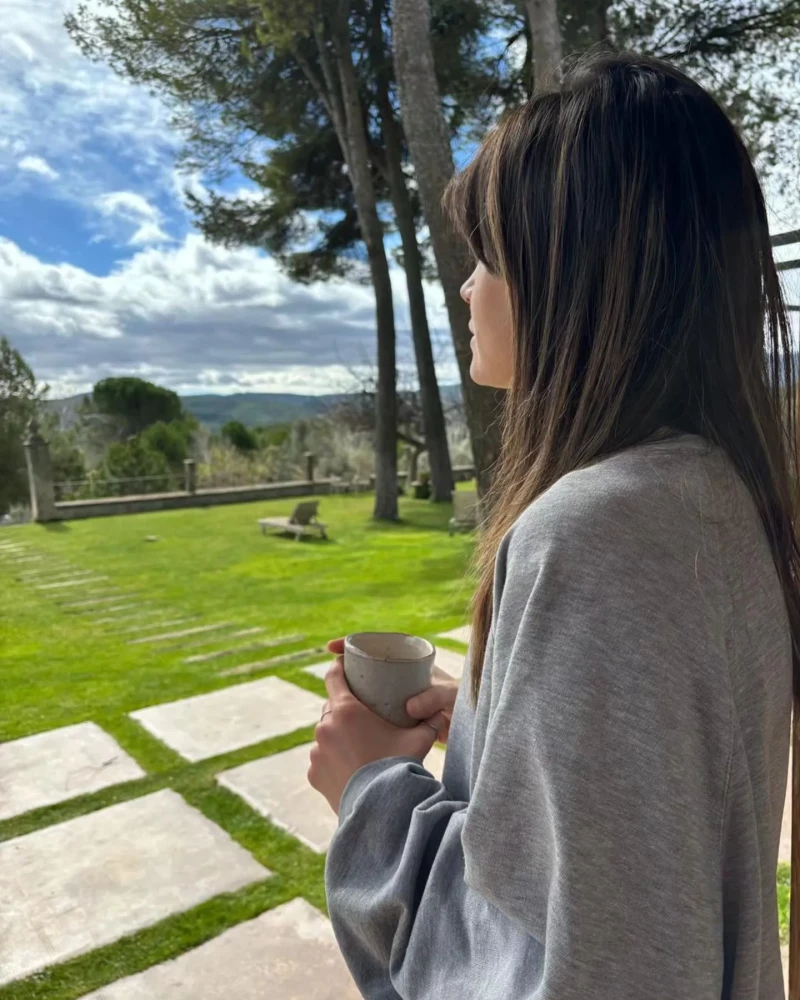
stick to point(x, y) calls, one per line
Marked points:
point(429, 142)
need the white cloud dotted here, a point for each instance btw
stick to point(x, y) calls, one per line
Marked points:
point(196, 317)
point(89, 123)
point(132, 209)
point(127, 204)
point(147, 233)
point(38, 165)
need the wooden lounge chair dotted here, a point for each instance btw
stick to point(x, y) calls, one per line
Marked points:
point(466, 511)
point(303, 521)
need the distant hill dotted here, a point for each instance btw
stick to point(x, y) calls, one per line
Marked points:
point(251, 408)
point(257, 408)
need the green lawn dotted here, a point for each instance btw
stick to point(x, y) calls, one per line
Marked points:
point(60, 667)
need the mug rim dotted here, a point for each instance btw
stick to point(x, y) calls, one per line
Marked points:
point(351, 646)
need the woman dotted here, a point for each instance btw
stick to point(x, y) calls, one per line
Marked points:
point(608, 823)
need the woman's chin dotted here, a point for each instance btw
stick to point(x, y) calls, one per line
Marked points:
point(475, 371)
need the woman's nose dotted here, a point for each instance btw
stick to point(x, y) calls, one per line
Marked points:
point(466, 290)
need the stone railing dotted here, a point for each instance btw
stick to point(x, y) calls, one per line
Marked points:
point(45, 507)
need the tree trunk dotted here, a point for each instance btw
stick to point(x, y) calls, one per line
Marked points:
point(546, 36)
point(601, 21)
point(413, 463)
point(369, 221)
point(429, 143)
point(432, 413)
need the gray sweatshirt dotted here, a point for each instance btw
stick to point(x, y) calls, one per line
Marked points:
point(608, 824)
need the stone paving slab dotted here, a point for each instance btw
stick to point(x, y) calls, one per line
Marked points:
point(144, 626)
point(319, 669)
point(115, 609)
point(250, 647)
point(93, 602)
point(73, 887)
point(164, 636)
point(208, 640)
point(785, 846)
point(452, 663)
point(77, 581)
point(435, 762)
point(277, 788)
point(58, 765)
point(118, 619)
point(287, 953)
point(211, 724)
point(460, 634)
point(276, 661)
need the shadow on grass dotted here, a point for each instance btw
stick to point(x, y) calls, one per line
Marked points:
point(56, 527)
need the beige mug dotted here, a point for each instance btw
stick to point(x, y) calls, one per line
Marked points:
point(385, 669)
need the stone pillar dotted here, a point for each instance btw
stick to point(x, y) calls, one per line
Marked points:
point(40, 475)
point(190, 475)
point(413, 459)
point(310, 466)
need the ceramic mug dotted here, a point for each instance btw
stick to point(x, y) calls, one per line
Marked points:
point(385, 669)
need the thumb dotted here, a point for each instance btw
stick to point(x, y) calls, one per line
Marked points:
point(426, 733)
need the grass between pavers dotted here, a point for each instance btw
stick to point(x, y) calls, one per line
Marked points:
point(60, 667)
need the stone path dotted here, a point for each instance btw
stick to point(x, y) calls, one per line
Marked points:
point(74, 886)
point(288, 953)
point(164, 636)
point(452, 663)
point(208, 640)
point(319, 669)
point(275, 661)
point(70, 888)
point(785, 847)
point(75, 581)
point(60, 764)
point(93, 602)
point(460, 634)
point(277, 787)
point(249, 647)
point(211, 724)
point(160, 625)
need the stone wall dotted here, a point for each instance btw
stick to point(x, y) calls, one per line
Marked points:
point(73, 510)
point(45, 509)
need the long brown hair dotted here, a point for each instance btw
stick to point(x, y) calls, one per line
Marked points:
point(627, 220)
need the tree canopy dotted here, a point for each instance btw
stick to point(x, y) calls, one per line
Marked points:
point(135, 403)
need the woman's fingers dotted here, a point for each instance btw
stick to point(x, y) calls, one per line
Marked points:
point(336, 682)
point(439, 698)
point(336, 646)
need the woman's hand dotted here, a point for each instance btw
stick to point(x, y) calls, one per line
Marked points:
point(349, 735)
point(438, 700)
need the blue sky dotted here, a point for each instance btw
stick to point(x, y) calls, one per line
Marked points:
point(101, 271)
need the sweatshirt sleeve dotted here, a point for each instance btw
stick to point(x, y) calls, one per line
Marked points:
point(587, 861)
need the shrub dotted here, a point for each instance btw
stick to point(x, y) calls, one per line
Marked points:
point(241, 437)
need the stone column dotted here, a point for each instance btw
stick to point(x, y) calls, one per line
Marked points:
point(40, 475)
point(190, 475)
point(310, 466)
point(413, 459)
